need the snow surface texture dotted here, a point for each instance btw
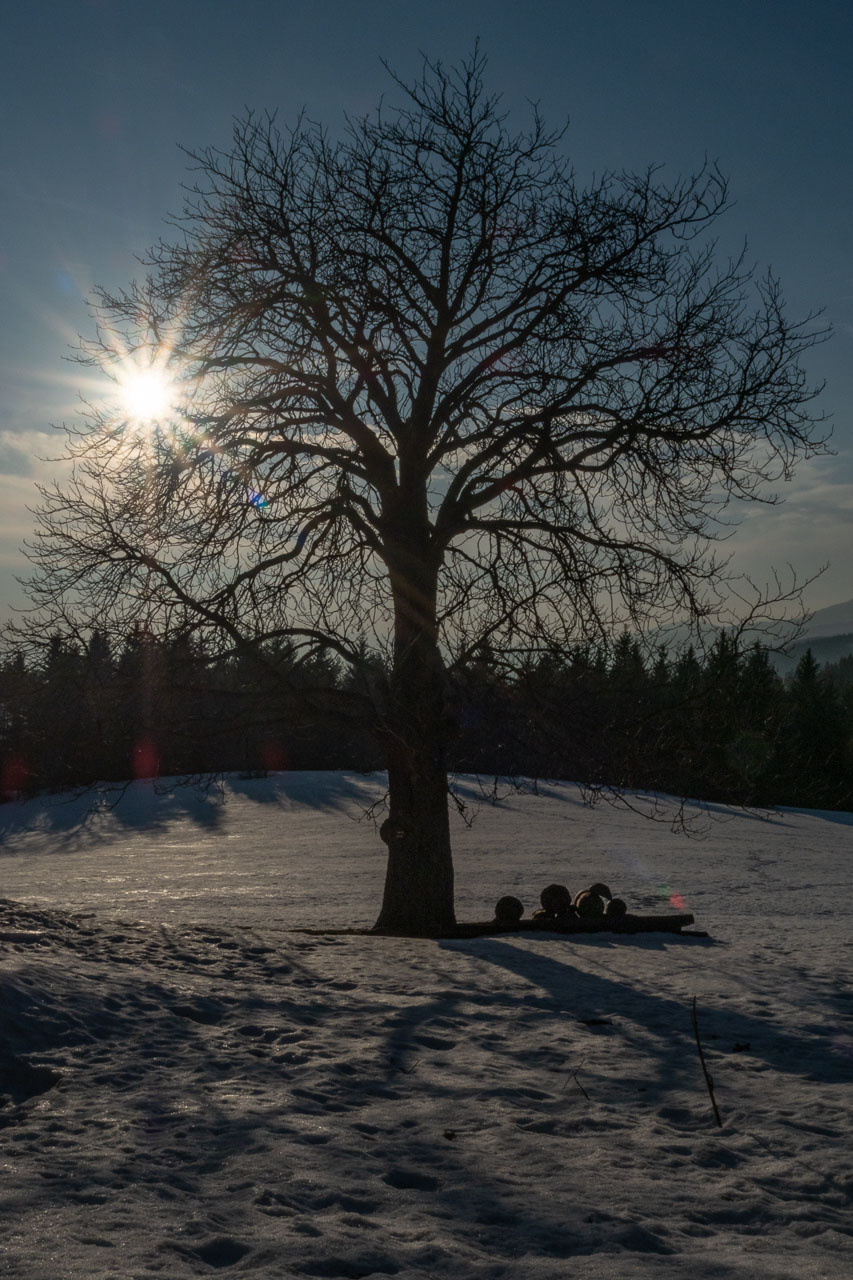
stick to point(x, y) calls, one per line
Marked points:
point(192, 1089)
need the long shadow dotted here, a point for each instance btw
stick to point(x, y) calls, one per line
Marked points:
point(152, 1053)
point(840, 816)
point(808, 1051)
point(155, 1050)
point(488, 791)
point(94, 814)
point(327, 790)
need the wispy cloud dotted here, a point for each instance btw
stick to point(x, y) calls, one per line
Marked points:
point(16, 456)
point(811, 528)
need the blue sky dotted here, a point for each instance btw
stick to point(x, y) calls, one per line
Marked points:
point(97, 95)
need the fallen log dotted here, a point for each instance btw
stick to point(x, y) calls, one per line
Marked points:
point(625, 924)
point(492, 928)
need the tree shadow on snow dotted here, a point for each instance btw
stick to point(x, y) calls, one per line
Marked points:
point(192, 1109)
point(657, 1022)
point(96, 814)
point(839, 816)
point(323, 789)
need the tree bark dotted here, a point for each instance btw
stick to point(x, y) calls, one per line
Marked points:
point(418, 896)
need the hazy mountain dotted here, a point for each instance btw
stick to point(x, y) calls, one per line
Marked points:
point(835, 620)
point(829, 635)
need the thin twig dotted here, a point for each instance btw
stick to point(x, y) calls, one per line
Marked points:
point(709, 1082)
point(574, 1075)
point(407, 1071)
point(580, 1086)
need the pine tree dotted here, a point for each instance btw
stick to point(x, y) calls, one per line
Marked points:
point(815, 741)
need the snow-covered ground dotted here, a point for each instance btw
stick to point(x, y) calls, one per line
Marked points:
point(194, 1089)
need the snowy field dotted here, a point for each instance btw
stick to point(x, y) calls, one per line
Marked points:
point(192, 1089)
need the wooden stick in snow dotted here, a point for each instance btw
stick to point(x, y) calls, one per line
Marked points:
point(709, 1082)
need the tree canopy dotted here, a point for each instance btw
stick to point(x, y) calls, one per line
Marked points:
point(430, 394)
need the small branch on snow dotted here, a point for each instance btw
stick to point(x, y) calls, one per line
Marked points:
point(574, 1076)
point(709, 1082)
point(398, 1066)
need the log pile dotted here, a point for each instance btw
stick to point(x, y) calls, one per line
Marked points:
point(592, 910)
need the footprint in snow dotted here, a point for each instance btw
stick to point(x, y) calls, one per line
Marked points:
point(350, 1268)
point(410, 1180)
point(434, 1042)
point(221, 1252)
point(253, 1031)
point(639, 1239)
point(205, 1012)
point(20, 1080)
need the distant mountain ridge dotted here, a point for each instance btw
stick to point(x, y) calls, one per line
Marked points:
point(829, 635)
point(834, 620)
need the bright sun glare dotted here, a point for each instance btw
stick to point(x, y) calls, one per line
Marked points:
point(146, 395)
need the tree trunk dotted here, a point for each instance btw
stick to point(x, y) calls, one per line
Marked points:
point(418, 897)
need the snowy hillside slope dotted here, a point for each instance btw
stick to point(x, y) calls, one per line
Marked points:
point(192, 1088)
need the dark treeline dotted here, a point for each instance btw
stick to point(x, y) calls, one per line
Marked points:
point(725, 727)
point(86, 713)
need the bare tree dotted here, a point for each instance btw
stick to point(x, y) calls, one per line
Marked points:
point(434, 395)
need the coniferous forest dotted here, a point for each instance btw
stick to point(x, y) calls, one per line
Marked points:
point(725, 727)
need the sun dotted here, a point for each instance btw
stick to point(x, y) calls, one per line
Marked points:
point(146, 395)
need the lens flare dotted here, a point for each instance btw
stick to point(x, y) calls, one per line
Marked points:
point(146, 760)
point(13, 776)
point(674, 899)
